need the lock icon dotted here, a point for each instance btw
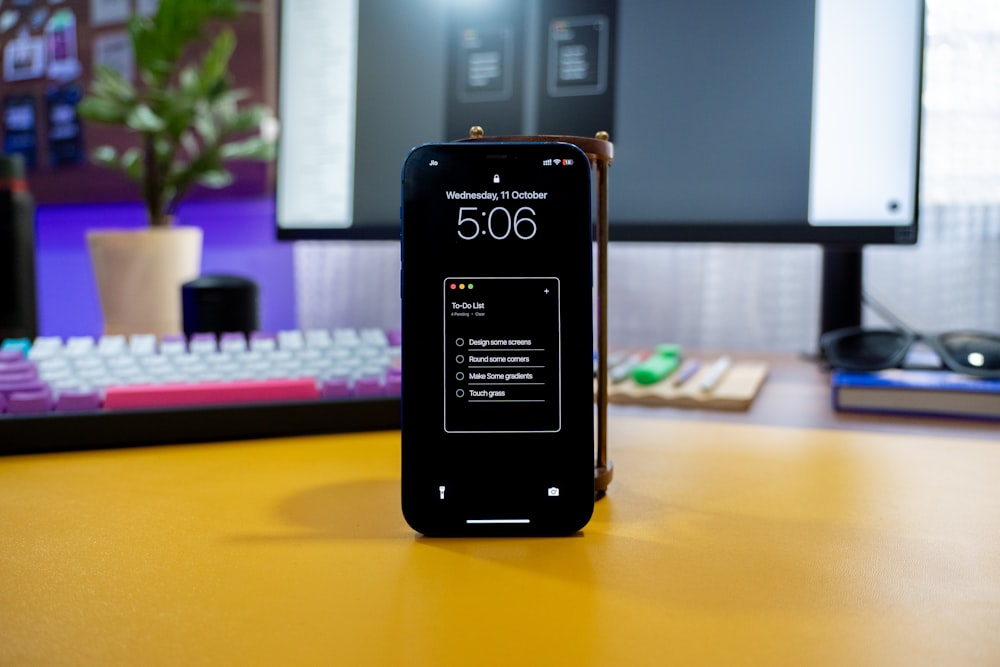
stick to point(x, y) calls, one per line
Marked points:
point(496, 178)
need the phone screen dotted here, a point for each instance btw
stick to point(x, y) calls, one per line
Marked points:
point(497, 397)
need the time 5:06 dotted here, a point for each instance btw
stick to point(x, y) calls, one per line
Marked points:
point(498, 223)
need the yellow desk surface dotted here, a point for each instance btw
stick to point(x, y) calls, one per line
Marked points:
point(718, 544)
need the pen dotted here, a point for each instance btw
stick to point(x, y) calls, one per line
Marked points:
point(685, 373)
point(715, 373)
point(613, 359)
point(621, 371)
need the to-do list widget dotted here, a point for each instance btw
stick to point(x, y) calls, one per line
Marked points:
point(501, 355)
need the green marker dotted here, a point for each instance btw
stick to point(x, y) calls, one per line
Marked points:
point(659, 365)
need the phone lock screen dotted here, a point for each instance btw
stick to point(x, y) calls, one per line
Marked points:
point(497, 398)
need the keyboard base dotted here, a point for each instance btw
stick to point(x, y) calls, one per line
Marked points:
point(245, 421)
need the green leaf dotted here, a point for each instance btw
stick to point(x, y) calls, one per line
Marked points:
point(245, 120)
point(163, 148)
point(227, 97)
point(190, 81)
point(177, 111)
point(105, 156)
point(215, 64)
point(204, 123)
point(147, 48)
point(249, 149)
point(110, 84)
point(142, 119)
point(190, 143)
point(217, 178)
point(131, 164)
point(103, 110)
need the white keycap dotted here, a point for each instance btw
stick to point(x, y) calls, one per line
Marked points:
point(374, 337)
point(263, 344)
point(318, 338)
point(111, 345)
point(173, 347)
point(233, 345)
point(346, 337)
point(142, 344)
point(291, 340)
point(203, 346)
point(45, 347)
point(77, 346)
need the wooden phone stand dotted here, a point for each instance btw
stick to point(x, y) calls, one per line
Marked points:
point(600, 150)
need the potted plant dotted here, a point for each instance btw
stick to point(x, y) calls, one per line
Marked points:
point(188, 123)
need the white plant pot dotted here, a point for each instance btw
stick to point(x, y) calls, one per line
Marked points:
point(139, 276)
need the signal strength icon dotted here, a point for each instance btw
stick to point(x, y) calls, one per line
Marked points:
point(546, 163)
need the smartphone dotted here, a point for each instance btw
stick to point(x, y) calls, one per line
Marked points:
point(497, 343)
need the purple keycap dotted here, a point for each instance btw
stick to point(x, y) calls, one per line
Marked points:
point(10, 355)
point(17, 376)
point(29, 402)
point(173, 341)
point(395, 336)
point(366, 387)
point(335, 388)
point(76, 400)
point(202, 342)
point(29, 386)
point(393, 382)
point(19, 365)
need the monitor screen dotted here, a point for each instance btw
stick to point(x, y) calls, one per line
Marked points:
point(776, 121)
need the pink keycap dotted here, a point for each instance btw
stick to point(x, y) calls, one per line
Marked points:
point(209, 393)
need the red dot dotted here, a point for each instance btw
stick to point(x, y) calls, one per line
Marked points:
point(453, 285)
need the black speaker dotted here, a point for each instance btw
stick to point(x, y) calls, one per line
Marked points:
point(18, 308)
point(220, 304)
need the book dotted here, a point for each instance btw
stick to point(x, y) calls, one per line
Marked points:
point(916, 392)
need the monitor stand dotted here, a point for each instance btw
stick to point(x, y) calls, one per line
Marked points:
point(840, 295)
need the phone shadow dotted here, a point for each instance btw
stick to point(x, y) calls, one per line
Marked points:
point(357, 510)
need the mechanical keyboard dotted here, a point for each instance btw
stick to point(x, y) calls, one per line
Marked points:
point(117, 391)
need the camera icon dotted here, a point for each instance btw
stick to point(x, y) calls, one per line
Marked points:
point(553, 491)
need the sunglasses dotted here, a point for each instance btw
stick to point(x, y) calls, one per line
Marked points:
point(859, 349)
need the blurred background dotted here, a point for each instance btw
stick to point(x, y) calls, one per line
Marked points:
point(744, 297)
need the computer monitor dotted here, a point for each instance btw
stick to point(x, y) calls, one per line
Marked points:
point(745, 121)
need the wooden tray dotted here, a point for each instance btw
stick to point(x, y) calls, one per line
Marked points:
point(735, 390)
